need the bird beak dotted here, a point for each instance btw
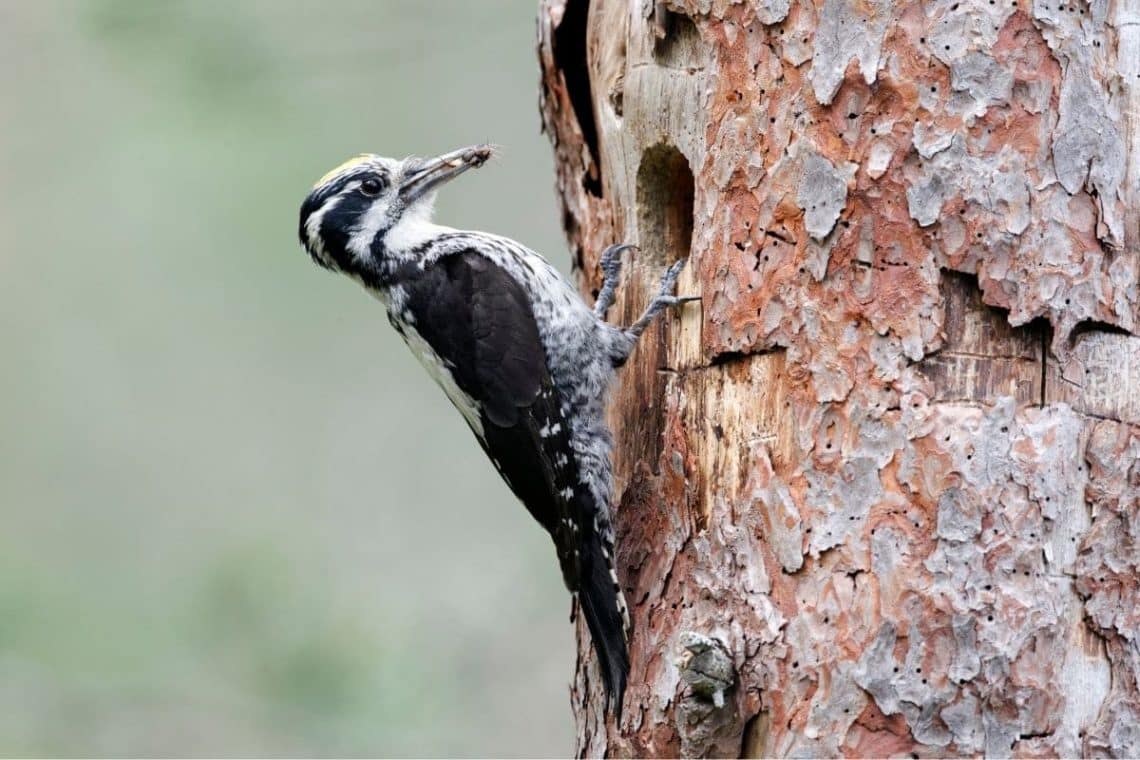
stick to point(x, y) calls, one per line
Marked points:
point(424, 175)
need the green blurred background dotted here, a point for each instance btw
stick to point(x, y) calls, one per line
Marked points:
point(237, 518)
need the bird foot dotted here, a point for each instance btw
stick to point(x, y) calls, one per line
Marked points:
point(663, 300)
point(611, 274)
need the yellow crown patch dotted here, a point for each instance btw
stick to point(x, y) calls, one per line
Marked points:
point(350, 163)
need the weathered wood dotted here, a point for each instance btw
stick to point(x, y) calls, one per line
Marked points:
point(1101, 376)
point(982, 357)
point(879, 490)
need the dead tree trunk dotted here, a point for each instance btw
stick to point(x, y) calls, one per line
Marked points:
point(879, 491)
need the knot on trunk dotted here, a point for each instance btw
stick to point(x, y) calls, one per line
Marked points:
point(703, 716)
point(706, 667)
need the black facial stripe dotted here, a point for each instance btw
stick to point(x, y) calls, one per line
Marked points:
point(308, 208)
point(337, 225)
point(318, 196)
point(359, 175)
point(341, 207)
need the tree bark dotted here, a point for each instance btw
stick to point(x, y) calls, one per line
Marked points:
point(878, 492)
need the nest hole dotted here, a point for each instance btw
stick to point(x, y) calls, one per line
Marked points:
point(678, 43)
point(665, 205)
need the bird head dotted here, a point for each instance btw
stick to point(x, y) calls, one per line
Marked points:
point(371, 208)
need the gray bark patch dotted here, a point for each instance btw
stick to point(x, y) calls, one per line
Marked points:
point(1089, 148)
point(847, 29)
point(772, 11)
point(822, 195)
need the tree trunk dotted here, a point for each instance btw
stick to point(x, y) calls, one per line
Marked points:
point(878, 492)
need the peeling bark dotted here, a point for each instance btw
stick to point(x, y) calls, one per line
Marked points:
point(879, 490)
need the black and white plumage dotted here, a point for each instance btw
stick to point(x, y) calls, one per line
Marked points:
point(519, 354)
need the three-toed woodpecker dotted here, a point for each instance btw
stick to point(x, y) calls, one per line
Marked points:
point(519, 354)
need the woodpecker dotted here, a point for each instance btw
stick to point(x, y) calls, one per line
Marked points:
point(525, 361)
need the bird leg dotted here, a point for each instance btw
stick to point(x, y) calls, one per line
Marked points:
point(611, 273)
point(663, 300)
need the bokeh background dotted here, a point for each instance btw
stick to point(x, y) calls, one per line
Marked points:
point(236, 517)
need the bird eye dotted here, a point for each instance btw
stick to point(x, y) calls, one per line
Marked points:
point(371, 186)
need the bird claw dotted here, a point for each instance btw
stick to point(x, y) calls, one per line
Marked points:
point(669, 280)
point(611, 268)
point(611, 273)
point(664, 301)
point(611, 258)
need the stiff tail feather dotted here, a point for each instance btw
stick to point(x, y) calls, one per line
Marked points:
point(604, 608)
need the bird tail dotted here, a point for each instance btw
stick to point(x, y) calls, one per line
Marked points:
point(604, 607)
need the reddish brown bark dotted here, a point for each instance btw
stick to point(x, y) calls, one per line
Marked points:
point(879, 490)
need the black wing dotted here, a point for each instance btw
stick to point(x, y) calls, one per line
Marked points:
point(479, 321)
